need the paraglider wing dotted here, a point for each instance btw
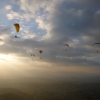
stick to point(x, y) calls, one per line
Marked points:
point(66, 45)
point(95, 43)
point(32, 55)
point(41, 51)
point(17, 27)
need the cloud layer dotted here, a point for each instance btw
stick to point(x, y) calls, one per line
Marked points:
point(47, 25)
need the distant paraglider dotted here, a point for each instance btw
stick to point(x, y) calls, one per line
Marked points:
point(16, 37)
point(66, 45)
point(32, 55)
point(94, 44)
point(40, 53)
point(17, 27)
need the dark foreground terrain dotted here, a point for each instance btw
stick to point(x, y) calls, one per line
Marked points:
point(43, 89)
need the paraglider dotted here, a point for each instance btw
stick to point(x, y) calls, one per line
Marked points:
point(17, 27)
point(16, 37)
point(66, 45)
point(95, 43)
point(32, 55)
point(40, 53)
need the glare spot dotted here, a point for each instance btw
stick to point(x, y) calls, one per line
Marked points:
point(6, 57)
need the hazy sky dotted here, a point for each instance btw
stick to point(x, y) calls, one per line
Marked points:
point(47, 25)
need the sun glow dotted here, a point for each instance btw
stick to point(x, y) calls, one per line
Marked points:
point(6, 57)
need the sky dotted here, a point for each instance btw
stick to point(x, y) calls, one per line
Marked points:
point(47, 25)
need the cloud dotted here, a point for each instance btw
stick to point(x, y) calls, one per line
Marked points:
point(8, 7)
point(48, 25)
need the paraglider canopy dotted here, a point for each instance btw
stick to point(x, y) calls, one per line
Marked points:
point(17, 27)
point(32, 55)
point(66, 45)
point(95, 43)
point(41, 51)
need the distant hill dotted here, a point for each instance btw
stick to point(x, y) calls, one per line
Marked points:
point(45, 89)
point(13, 94)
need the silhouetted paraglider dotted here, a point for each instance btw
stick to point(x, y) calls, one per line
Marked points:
point(66, 45)
point(32, 55)
point(16, 37)
point(40, 53)
point(94, 44)
point(17, 27)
